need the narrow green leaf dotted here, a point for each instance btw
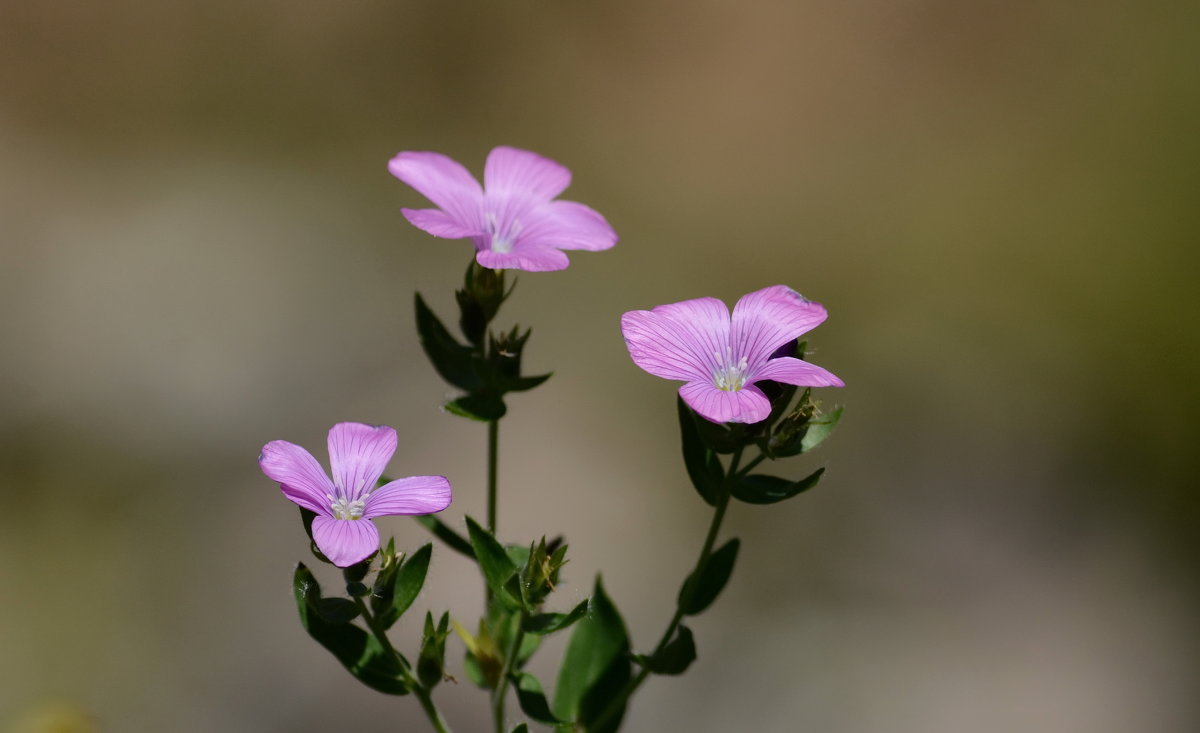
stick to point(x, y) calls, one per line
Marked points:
point(473, 672)
point(598, 642)
point(596, 701)
point(410, 578)
point(703, 467)
point(455, 362)
point(493, 561)
point(453, 539)
point(521, 728)
point(675, 657)
point(548, 623)
point(481, 407)
point(357, 650)
point(820, 428)
point(336, 610)
point(704, 585)
point(760, 488)
point(533, 699)
point(522, 384)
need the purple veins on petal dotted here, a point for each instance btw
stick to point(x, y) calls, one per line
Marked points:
point(346, 504)
point(513, 220)
point(721, 356)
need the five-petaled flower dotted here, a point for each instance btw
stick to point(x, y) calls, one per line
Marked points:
point(513, 218)
point(720, 357)
point(344, 506)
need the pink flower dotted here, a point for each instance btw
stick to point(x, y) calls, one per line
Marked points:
point(721, 358)
point(358, 454)
point(513, 219)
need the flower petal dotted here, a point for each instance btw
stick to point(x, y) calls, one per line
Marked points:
point(513, 171)
point(568, 225)
point(685, 340)
point(746, 405)
point(443, 181)
point(345, 541)
point(415, 495)
point(767, 319)
point(791, 370)
point(438, 223)
point(530, 259)
point(358, 454)
point(299, 475)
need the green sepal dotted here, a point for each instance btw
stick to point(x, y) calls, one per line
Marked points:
point(355, 589)
point(358, 570)
point(497, 567)
point(820, 429)
point(358, 651)
point(532, 698)
point(721, 437)
point(431, 661)
point(760, 488)
point(705, 583)
point(548, 623)
point(456, 363)
point(675, 657)
point(703, 466)
point(307, 516)
point(523, 384)
point(473, 671)
point(481, 407)
point(597, 657)
point(479, 300)
point(408, 580)
point(452, 539)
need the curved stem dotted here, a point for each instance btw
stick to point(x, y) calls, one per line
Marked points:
point(749, 466)
point(510, 658)
point(710, 539)
point(419, 691)
point(493, 442)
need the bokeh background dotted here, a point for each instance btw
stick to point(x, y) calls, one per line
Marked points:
point(997, 201)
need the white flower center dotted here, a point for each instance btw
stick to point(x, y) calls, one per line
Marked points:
point(730, 377)
point(502, 241)
point(343, 508)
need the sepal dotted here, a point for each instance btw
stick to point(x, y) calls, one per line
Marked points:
point(431, 661)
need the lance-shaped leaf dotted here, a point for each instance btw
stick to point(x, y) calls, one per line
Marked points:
point(482, 407)
point(548, 623)
point(703, 467)
point(675, 657)
point(521, 728)
point(596, 659)
point(453, 539)
point(497, 567)
point(401, 588)
point(760, 488)
point(432, 658)
point(533, 699)
point(455, 362)
point(706, 582)
point(820, 428)
point(358, 651)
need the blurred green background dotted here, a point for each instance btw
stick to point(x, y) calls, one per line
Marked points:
point(203, 251)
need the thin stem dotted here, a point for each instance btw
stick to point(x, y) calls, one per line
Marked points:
point(749, 466)
point(510, 658)
point(710, 539)
point(422, 694)
point(493, 441)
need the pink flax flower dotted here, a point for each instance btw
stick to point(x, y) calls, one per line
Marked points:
point(513, 219)
point(346, 505)
point(720, 357)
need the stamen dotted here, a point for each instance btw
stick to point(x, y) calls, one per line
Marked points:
point(346, 509)
point(730, 377)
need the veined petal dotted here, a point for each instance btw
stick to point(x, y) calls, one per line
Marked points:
point(444, 182)
point(767, 319)
point(791, 370)
point(414, 495)
point(438, 223)
point(568, 225)
point(358, 454)
point(685, 340)
point(530, 259)
point(345, 541)
point(746, 405)
point(514, 171)
point(299, 475)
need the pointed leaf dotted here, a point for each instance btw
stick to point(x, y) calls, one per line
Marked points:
point(703, 467)
point(675, 657)
point(453, 539)
point(704, 585)
point(533, 699)
point(481, 407)
point(820, 429)
point(522, 384)
point(598, 644)
point(336, 610)
point(521, 728)
point(548, 623)
point(455, 362)
point(410, 578)
point(493, 561)
point(759, 488)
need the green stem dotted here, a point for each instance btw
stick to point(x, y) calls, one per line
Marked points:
point(713, 528)
point(510, 657)
point(749, 466)
point(422, 694)
point(493, 441)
